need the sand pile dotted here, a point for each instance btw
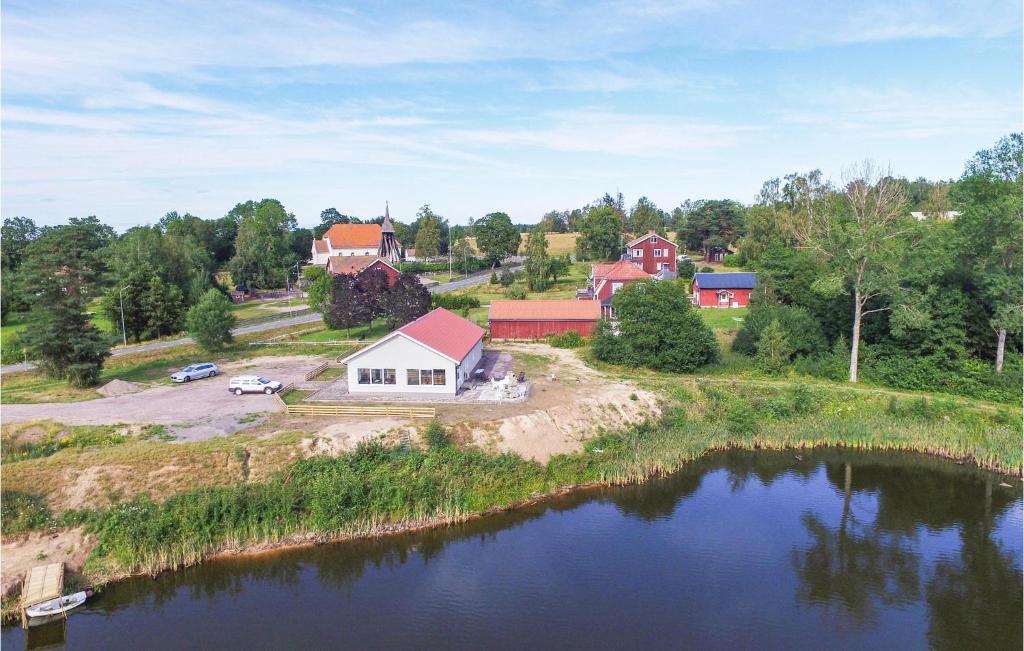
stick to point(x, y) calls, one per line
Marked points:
point(116, 388)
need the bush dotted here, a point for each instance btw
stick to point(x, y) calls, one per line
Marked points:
point(686, 269)
point(21, 512)
point(11, 352)
point(567, 339)
point(516, 292)
point(706, 270)
point(506, 278)
point(435, 436)
point(455, 301)
point(967, 377)
point(731, 261)
point(802, 331)
point(773, 348)
point(494, 278)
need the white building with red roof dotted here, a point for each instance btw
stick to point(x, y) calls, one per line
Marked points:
point(436, 353)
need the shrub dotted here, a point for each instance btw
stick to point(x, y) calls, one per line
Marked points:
point(506, 278)
point(435, 436)
point(802, 330)
point(773, 348)
point(23, 512)
point(11, 352)
point(516, 293)
point(455, 301)
point(731, 261)
point(210, 321)
point(686, 269)
point(567, 339)
point(494, 278)
point(707, 270)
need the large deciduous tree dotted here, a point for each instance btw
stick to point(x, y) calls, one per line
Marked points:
point(263, 252)
point(864, 241)
point(537, 260)
point(406, 301)
point(645, 216)
point(600, 235)
point(717, 223)
point(496, 237)
point(658, 328)
point(428, 234)
point(990, 226)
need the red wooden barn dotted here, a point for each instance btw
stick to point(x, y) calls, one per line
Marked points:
point(653, 253)
point(537, 319)
point(730, 289)
point(357, 264)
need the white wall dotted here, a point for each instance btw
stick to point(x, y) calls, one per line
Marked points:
point(366, 251)
point(402, 354)
point(468, 365)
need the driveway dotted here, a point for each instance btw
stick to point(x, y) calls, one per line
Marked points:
point(477, 279)
point(197, 410)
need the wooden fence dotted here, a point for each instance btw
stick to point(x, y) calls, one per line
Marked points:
point(308, 409)
point(316, 371)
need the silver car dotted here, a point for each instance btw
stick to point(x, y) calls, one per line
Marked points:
point(195, 372)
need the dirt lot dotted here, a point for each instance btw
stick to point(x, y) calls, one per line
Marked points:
point(194, 411)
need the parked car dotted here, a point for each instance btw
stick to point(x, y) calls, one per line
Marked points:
point(253, 384)
point(195, 371)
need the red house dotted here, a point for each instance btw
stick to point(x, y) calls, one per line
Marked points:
point(606, 278)
point(357, 264)
point(653, 253)
point(723, 289)
point(537, 319)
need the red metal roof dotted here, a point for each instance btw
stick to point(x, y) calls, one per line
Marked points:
point(353, 236)
point(352, 264)
point(561, 310)
point(621, 270)
point(445, 332)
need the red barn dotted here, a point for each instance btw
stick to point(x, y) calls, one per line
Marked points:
point(357, 264)
point(731, 289)
point(538, 319)
point(653, 253)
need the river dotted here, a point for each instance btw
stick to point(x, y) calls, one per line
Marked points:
point(765, 550)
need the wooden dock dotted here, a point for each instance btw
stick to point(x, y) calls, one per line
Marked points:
point(43, 582)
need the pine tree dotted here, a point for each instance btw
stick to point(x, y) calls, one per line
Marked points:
point(210, 321)
point(773, 348)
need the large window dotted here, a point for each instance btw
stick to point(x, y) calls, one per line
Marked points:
point(377, 376)
point(426, 376)
point(412, 376)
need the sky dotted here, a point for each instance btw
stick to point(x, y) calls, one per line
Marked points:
point(128, 110)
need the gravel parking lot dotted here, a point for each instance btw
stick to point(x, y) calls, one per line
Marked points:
point(197, 410)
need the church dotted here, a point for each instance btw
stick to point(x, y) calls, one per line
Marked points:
point(359, 239)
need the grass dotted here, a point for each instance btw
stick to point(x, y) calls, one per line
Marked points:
point(295, 396)
point(266, 308)
point(25, 442)
point(378, 328)
point(558, 243)
point(724, 320)
point(330, 373)
point(564, 288)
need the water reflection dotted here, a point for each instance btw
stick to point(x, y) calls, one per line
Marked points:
point(739, 549)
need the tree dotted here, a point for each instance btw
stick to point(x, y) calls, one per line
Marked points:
point(15, 235)
point(210, 321)
point(319, 294)
point(58, 275)
point(863, 242)
point(263, 247)
point(406, 301)
point(802, 330)
point(329, 217)
point(558, 266)
point(646, 216)
point(496, 237)
point(600, 235)
point(537, 261)
point(773, 349)
point(711, 224)
point(989, 228)
point(164, 306)
point(347, 307)
point(428, 234)
point(555, 221)
point(372, 289)
point(125, 303)
point(302, 244)
point(658, 328)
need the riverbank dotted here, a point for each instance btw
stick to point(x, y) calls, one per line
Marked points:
point(379, 490)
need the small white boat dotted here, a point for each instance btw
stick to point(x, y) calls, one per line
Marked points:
point(58, 605)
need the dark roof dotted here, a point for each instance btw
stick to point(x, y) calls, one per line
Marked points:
point(728, 280)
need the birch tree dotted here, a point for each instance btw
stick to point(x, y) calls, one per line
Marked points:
point(863, 238)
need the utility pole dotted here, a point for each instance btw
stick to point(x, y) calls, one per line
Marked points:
point(449, 224)
point(124, 332)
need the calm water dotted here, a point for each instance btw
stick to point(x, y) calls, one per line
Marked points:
point(741, 550)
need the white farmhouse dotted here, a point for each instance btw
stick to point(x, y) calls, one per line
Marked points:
point(436, 353)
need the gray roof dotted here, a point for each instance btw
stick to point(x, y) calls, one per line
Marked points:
point(727, 280)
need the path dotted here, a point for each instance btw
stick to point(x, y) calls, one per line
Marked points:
point(477, 279)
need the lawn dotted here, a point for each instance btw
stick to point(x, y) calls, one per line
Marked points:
point(558, 243)
point(378, 328)
point(266, 308)
point(724, 320)
point(564, 288)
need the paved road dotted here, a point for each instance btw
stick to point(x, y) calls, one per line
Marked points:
point(476, 279)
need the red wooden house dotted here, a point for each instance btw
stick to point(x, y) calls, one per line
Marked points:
point(357, 264)
point(606, 278)
point(537, 319)
point(731, 289)
point(653, 253)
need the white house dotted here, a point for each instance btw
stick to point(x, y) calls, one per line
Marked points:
point(347, 239)
point(436, 353)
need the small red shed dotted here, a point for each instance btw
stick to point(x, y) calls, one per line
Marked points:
point(538, 319)
point(357, 264)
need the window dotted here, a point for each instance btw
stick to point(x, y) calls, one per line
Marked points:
point(654, 239)
point(424, 377)
point(439, 376)
point(412, 376)
point(377, 376)
point(638, 253)
point(658, 253)
point(616, 287)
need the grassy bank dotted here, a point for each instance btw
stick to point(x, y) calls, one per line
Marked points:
point(377, 488)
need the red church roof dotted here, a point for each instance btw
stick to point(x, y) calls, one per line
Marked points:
point(445, 332)
point(353, 236)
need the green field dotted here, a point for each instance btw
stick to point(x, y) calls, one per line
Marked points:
point(724, 320)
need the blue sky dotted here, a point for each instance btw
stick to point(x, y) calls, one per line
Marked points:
point(130, 110)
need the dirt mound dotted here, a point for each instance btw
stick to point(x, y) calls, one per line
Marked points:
point(116, 388)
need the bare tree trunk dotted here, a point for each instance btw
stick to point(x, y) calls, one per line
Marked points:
point(855, 336)
point(1000, 350)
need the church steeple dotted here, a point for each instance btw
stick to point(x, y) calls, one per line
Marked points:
point(390, 248)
